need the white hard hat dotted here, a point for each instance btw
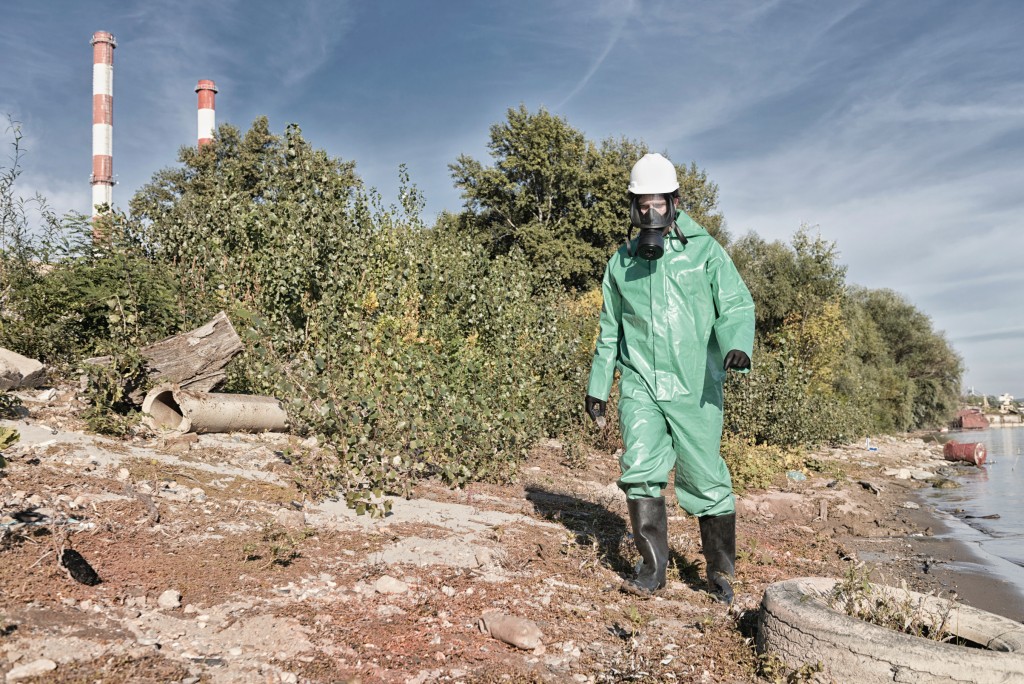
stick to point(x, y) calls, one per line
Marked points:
point(653, 175)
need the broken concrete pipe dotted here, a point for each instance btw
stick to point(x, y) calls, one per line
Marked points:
point(169, 407)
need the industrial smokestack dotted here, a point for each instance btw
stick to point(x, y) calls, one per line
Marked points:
point(102, 178)
point(207, 119)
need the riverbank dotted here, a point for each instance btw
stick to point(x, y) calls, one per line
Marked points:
point(216, 568)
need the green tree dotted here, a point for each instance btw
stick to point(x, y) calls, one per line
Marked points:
point(561, 198)
point(930, 369)
point(789, 279)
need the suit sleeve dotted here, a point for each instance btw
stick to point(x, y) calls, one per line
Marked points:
point(602, 369)
point(734, 327)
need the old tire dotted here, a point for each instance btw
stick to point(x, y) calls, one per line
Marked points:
point(797, 625)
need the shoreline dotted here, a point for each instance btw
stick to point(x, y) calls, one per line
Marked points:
point(936, 551)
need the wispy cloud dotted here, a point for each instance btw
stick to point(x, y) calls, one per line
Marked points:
point(622, 12)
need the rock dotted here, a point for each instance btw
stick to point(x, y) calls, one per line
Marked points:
point(921, 475)
point(179, 444)
point(898, 473)
point(290, 519)
point(484, 558)
point(517, 631)
point(911, 505)
point(943, 483)
point(169, 599)
point(36, 668)
point(19, 371)
point(390, 585)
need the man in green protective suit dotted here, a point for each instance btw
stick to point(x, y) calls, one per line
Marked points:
point(676, 317)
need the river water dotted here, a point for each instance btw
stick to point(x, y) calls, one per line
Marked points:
point(990, 501)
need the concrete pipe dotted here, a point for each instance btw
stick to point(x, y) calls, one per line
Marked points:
point(168, 407)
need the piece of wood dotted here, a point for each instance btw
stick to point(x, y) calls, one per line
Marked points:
point(195, 360)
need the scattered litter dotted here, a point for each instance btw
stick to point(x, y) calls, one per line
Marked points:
point(795, 475)
point(78, 568)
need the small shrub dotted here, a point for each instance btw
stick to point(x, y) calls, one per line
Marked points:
point(756, 466)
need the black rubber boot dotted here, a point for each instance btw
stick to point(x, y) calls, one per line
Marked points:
point(650, 534)
point(718, 539)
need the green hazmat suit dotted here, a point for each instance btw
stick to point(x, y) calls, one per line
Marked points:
point(667, 325)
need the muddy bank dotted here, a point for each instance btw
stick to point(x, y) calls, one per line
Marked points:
point(215, 567)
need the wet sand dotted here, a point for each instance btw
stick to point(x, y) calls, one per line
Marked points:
point(979, 579)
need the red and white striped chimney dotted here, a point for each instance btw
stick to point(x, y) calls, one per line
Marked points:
point(207, 119)
point(102, 178)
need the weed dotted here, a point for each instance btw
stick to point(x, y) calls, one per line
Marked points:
point(276, 545)
point(9, 405)
point(771, 667)
point(8, 436)
point(900, 610)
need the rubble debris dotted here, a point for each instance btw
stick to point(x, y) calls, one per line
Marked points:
point(389, 585)
point(169, 599)
point(171, 407)
point(19, 371)
point(195, 360)
point(517, 631)
point(78, 568)
point(37, 668)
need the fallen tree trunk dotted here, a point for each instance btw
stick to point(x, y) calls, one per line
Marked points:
point(193, 360)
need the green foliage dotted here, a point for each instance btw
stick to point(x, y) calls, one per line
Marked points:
point(8, 437)
point(111, 410)
point(789, 398)
point(787, 280)
point(756, 466)
point(409, 352)
point(9, 405)
point(926, 387)
point(833, 362)
point(560, 198)
point(74, 298)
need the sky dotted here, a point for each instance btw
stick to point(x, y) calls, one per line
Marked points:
point(895, 127)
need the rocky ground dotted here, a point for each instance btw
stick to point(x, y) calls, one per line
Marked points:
point(215, 568)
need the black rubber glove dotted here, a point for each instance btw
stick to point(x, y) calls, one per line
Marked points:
point(595, 409)
point(737, 359)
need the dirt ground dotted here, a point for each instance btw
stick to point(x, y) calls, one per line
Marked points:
point(214, 568)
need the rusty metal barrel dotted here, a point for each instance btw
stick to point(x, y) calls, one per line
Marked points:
point(972, 452)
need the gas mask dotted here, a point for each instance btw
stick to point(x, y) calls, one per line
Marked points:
point(652, 214)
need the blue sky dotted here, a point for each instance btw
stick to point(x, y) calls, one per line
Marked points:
point(895, 126)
